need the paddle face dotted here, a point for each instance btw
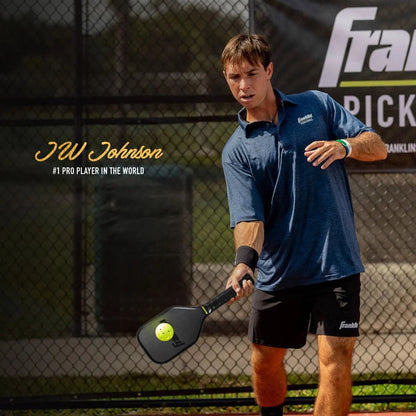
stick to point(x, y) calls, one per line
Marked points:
point(186, 323)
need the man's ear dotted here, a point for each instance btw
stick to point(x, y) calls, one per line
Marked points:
point(269, 70)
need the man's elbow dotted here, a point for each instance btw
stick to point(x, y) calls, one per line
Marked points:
point(378, 149)
point(381, 153)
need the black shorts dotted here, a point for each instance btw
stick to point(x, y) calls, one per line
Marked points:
point(283, 318)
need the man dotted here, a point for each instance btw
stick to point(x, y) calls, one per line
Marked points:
point(290, 208)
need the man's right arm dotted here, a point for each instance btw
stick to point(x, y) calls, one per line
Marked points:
point(246, 234)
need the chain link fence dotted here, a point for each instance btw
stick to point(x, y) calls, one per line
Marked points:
point(94, 243)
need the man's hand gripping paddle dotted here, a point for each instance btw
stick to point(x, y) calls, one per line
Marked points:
point(177, 328)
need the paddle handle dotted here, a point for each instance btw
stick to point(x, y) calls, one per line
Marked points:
point(223, 297)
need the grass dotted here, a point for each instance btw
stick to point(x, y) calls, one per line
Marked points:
point(358, 407)
point(199, 385)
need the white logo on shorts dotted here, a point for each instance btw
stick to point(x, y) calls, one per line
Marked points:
point(347, 325)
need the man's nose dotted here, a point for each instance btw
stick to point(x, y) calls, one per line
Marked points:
point(243, 83)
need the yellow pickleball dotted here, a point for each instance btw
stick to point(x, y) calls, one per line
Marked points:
point(164, 332)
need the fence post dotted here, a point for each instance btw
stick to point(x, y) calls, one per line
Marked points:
point(77, 226)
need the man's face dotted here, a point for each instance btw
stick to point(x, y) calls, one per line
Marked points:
point(248, 84)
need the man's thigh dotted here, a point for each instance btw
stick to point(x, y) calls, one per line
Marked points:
point(336, 351)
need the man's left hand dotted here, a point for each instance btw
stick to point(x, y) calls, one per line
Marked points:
point(324, 153)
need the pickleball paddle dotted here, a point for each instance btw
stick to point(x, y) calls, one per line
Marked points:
point(177, 328)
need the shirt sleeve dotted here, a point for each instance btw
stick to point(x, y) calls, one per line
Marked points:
point(344, 124)
point(244, 200)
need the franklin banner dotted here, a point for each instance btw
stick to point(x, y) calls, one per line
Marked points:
point(363, 53)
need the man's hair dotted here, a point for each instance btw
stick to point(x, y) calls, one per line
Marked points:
point(247, 47)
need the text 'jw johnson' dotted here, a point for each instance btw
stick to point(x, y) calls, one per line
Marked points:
point(71, 151)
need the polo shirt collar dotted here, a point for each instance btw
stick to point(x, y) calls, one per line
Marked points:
point(242, 114)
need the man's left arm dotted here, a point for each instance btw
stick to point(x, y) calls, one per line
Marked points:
point(367, 147)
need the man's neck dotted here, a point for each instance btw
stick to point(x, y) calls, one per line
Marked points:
point(268, 112)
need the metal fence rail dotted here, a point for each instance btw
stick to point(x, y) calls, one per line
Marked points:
point(94, 245)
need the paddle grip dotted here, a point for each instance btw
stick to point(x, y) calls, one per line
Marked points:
point(223, 297)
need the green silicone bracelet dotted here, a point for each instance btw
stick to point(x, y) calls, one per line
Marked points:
point(347, 146)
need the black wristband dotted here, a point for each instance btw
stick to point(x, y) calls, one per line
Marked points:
point(246, 255)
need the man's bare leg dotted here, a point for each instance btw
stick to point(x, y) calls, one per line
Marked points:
point(269, 376)
point(335, 360)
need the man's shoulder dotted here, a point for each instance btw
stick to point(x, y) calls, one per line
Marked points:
point(306, 96)
point(302, 101)
point(235, 141)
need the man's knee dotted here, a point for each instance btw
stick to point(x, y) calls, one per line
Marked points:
point(263, 357)
point(269, 377)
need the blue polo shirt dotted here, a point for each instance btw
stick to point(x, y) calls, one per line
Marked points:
point(307, 212)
